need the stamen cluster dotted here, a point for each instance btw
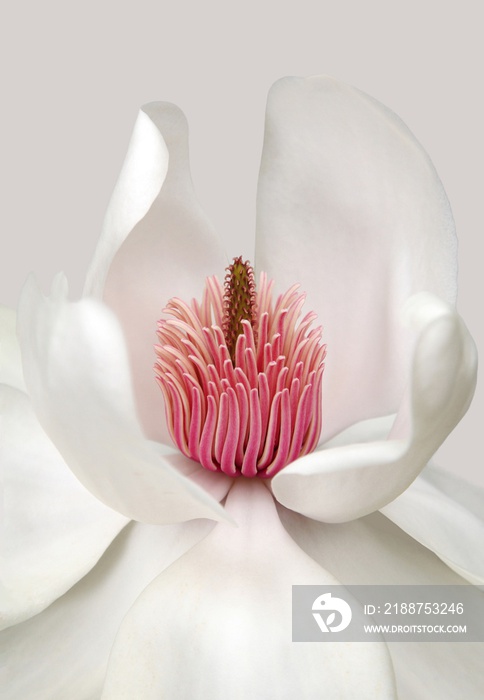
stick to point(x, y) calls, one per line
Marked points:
point(252, 410)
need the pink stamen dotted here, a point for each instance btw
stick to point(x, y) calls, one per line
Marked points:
point(251, 409)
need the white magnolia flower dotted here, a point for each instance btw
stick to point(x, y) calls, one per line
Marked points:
point(124, 576)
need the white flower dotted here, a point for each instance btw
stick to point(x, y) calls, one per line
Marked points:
point(350, 207)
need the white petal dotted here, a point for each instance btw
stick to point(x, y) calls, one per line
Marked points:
point(448, 671)
point(350, 206)
point(444, 525)
point(374, 551)
point(467, 495)
point(217, 624)
point(366, 431)
point(10, 361)
point(140, 180)
point(169, 253)
point(368, 551)
point(77, 373)
point(347, 482)
point(54, 530)
point(63, 652)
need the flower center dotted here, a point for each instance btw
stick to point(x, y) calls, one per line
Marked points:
point(241, 376)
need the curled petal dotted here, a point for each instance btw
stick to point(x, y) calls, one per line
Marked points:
point(343, 483)
point(169, 252)
point(350, 205)
point(78, 377)
point(141, 178)
point(229, 623)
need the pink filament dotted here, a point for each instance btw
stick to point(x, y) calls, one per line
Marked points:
point(249, 417)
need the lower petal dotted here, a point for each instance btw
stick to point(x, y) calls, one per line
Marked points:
point(371, 550)
point(217, 624)
point(443, 524)
point(374, 551)
point(54, 529)
point(63, 652)
point(446, 671)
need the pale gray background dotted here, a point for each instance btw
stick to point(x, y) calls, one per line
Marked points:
point(74, 75)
